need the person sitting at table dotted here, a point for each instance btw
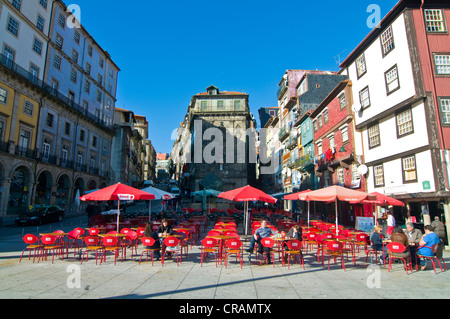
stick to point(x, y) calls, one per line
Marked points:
point(414, 237)
point(263, 232)
point(295, 233)
point(165, 228)
point(398, 236)
point(428, 240)
point(377, 242)
point(149, 232)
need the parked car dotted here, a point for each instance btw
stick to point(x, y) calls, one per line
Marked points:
point(39, 215)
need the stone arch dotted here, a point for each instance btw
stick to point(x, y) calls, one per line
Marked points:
point(44, 183)
point(21, 179)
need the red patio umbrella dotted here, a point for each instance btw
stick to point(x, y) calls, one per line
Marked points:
point(380, 200)
point(117, 192)
point(247, 194)
point(335, 193)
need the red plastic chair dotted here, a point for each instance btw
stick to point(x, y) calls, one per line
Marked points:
point(213, 233)
point(110, 243)
point(148, 242)
point(172, 245)
point(72, 240)
point(335, 249)
point(209, 246)
point(92, 245)
point(362, 240)
point(31, 241)
point(234, 247)
point(130, 241)
point(397, 248)
point(49, 245)
point(294, 250)
point(310, 240)
point(140, 232)
point(268, 244)
point(93, 231)
point(434, 249)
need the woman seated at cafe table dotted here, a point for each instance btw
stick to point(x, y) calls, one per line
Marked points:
point(149, 232)
point(398, 236)
point(165, 228)
point(377, 242)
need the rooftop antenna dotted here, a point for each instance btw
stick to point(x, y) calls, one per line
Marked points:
point(337, 58)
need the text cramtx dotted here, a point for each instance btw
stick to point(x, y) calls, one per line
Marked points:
point(246, 308)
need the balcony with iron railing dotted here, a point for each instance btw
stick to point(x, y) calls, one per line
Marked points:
point(6, 62)
point(282, 89)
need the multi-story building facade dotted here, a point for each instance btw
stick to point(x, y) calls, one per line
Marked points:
point(217, 149)
point(400, 75)
point(127, 145)
point(299, 91)
point(54, 146)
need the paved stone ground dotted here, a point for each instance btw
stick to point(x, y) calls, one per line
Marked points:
point(190, 281)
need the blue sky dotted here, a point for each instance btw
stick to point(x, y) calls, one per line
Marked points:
point(169, 51)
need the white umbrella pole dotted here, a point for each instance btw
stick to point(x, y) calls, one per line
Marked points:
point(118, 214)
point(336, 209)
point(246, 217)
point(308, 213)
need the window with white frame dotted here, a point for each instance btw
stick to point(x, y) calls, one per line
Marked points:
point(361, 65)
point(344, 132)
point(387, 41)
point(62, 20)
point(3, 95)
point(57, 62)
point(87, 86)
point(340, 176)
point(64, 154)
point(325, 116)
point(76, 37)
point(409, 169)
point(391, 78)
point(74, 56)
point(79, 159)
point(37, 46)
point(331, 139)
point(434, 20)
point(319, 148)
point(364, 97)
point(378, 173)
point(374, 135)
point(342, 101)
point(16, 4)
point(355, 173)
point(13, 26)
point(46, 150)
point(442, 63)
point(59, 41)
point(445, 110)
point(28, 108)
point(73, 75)
point(404, 123)
point(40, 23)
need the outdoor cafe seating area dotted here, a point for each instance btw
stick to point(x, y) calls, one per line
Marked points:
point(210, 237)
point(225, 235)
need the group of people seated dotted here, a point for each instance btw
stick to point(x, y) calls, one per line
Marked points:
point(265, 231)
point(415, 242)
